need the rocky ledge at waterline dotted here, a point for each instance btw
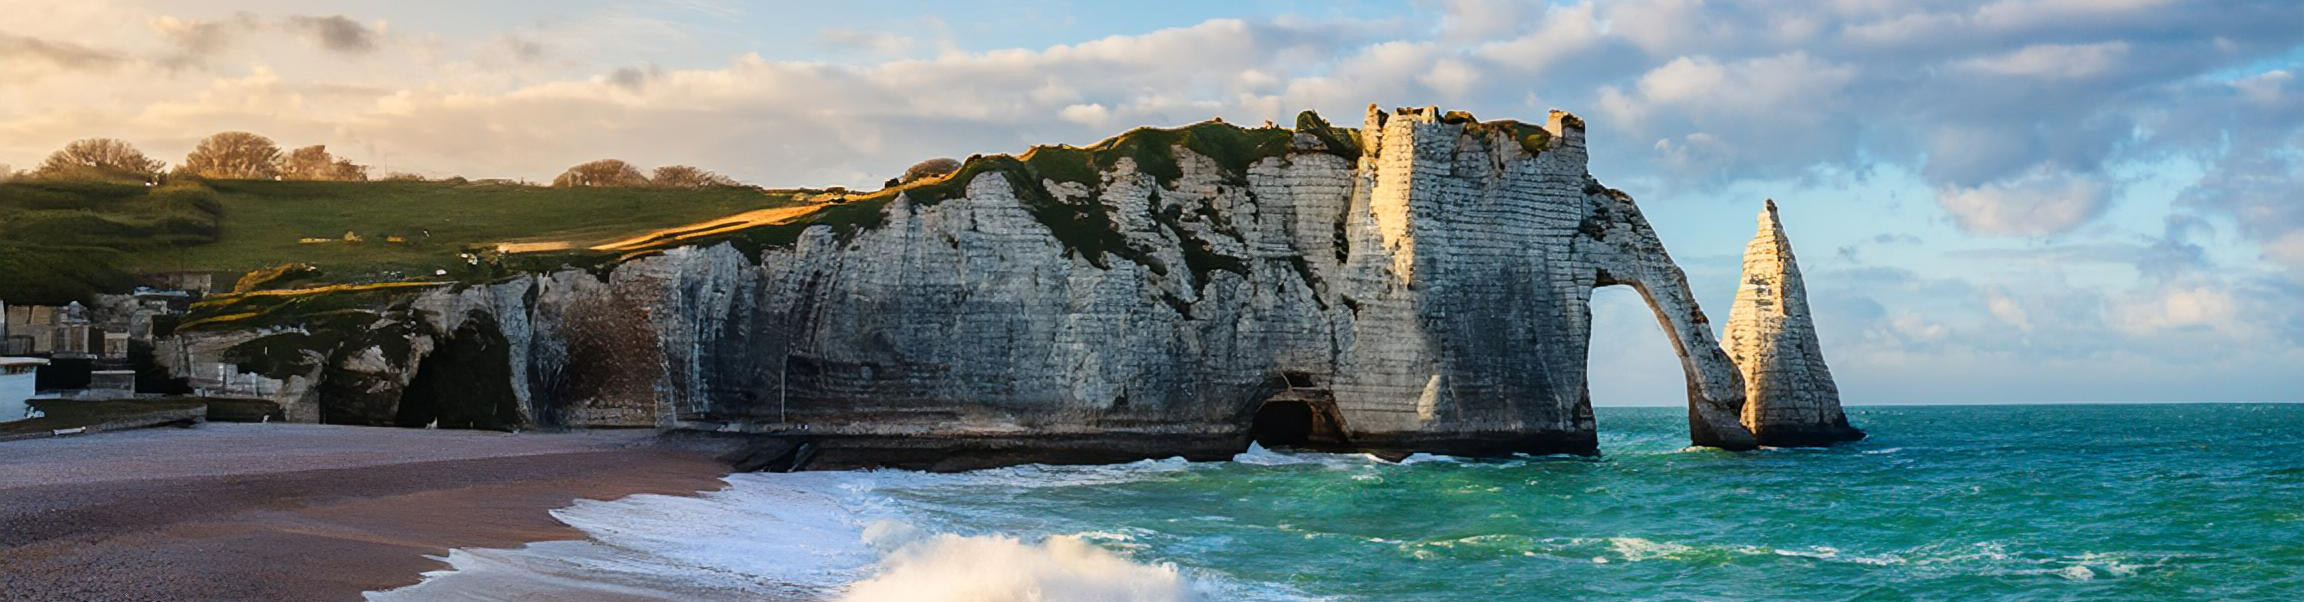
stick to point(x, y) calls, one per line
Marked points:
point(1419, 284)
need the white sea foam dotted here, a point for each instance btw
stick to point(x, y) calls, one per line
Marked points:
point(837, 535)
point(941, 567)
point(1636, 549)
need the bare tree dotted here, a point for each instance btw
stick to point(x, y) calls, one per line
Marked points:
point(932, 168)
point(235, 156)
point(314, 163)
point(99, 158)
point(604, 172)
point(682, 176)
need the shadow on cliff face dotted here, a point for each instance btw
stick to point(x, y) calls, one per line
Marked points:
point(466, 383)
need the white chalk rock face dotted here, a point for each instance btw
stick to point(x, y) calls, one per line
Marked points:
point(1422, 283)
point(1789, 397)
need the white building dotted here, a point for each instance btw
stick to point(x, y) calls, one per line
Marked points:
point(16, 383)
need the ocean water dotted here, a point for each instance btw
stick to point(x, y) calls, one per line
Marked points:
point(1954, 503)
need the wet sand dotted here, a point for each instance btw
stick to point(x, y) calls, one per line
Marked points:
point(297, 512)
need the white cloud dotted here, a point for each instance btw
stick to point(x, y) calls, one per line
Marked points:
point(2043, 201)
point(2266, 88)
point(2180, 308)
point(1762, 90)
point(1913, 328)
point(2018, 14)
point(2006, 309)
point(1564, 32)
point(2052, 60)
point(1452, 78)
point(2288, 250)
point(1092, 115)
point(1475, 20)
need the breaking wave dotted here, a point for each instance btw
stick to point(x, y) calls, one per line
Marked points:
point(839, 536)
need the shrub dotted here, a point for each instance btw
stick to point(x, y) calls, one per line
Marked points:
point(932, 168)
point(604, 172)
point(682, 176)
point(314, 163)
point(102, 159)
point(234, 156)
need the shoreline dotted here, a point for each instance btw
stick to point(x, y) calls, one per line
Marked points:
point(299, 512)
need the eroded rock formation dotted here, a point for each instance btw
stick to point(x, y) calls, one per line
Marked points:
point(1789, 396)
point(1424, 280)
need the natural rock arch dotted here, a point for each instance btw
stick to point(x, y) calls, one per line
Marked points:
point(1625, 251)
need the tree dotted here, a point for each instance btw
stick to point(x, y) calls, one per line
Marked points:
point(100, 158)
point(682, 176)
point(932, 168)
point(604, 172)
point(235, 156)
point(347, 171)
point(314, 163)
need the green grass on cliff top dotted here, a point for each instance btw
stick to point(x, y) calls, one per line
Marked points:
point(63, 241)
point(264, 221)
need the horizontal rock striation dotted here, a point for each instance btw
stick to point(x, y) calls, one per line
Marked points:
point(1790, 399)
point(1421, 284)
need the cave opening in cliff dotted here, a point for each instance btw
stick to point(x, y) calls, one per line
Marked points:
point(1282, 424)
point(1301, 416)
point(466, 383)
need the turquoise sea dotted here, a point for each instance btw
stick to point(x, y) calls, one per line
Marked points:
point(1953, 503)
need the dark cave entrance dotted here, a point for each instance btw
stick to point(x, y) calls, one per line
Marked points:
point(466, 383)
point(1282, 424)
point(1302, 415)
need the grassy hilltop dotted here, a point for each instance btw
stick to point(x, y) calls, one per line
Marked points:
point(65, 240)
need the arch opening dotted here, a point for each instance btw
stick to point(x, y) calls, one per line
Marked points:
point(1630, 360)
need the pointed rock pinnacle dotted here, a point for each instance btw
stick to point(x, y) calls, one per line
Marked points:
point(1789, 396)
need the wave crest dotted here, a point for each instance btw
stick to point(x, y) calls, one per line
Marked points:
point(925, 567)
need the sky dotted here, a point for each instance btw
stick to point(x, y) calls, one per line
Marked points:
point(1992, 201)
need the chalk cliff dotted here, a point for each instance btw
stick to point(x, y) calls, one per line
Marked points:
point(1789, 396)
point(1419, 284)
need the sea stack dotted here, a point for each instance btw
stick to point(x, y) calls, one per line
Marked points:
point(1789, 397)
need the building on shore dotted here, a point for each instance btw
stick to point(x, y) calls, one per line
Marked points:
point(30, 329)
point(141, 315)
point(50, 330)
point(73, 331)
point(110, 384)
point(17, 376)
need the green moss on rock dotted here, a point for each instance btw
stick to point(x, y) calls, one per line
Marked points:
point(1342, 142)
